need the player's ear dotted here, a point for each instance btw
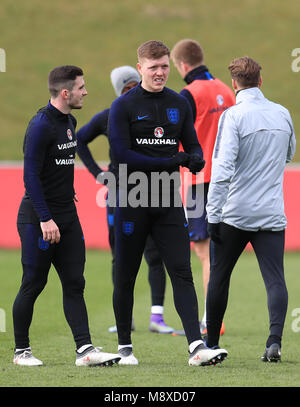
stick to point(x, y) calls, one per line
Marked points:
point(139, 67)
point(234, 85)
point(64, 93)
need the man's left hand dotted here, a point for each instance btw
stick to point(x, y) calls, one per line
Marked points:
point(214, 232)
point(196, 163)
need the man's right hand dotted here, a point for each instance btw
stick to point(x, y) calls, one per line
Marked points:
point(50, 231)
point(101, 178)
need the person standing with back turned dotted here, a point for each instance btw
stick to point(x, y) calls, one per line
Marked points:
point(145, 128)
point(48, 224)
point(245, 199)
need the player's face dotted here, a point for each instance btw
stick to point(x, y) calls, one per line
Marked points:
point(129, 86)
point(154, 73)
point(75, 96)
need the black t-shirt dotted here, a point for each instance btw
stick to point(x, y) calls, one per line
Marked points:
point(49, 157)
point(146, 128)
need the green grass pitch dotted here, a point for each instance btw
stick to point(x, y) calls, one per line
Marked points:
point(163, 358)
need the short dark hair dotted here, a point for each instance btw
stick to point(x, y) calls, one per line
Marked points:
point(152, 50)
point(63, 77)
point(245, 71)
point(187, 51)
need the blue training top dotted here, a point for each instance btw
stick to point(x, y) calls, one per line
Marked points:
point(49, 156)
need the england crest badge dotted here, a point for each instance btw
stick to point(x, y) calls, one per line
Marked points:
point(128, 228)
point(173, 115)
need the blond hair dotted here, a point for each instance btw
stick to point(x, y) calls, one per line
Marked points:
point(187, 51)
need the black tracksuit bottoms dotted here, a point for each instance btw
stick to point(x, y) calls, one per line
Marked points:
point(169, 230)
point(156, 270)
point(68, 258)
point(269, 250)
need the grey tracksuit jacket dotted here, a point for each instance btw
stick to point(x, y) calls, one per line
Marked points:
point(255, 140)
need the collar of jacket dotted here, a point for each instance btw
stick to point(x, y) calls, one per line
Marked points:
point(57, 113)
point(249, 93)
point(201, 72)
point(146, 93)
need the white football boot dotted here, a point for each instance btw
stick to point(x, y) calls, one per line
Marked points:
point(203, 356)
point(127, 356)
point(25, 357)
point(93, 356)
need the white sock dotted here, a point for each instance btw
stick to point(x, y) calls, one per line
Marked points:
point(23, 349)
point(84, 347)
point(204, 315)
point(194, 345)
point(157, 309)
point(124, 346)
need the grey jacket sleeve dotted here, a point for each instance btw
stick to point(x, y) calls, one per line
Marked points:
point(292, 144)
point(223, 166)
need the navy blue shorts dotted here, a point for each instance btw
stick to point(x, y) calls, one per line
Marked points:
point(197, 195)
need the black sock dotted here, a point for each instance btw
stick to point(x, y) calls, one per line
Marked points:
point(273, 339)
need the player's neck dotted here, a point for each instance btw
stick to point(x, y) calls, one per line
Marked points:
point(59, 105)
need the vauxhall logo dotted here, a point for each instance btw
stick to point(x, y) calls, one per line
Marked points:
point(159, 141)
point(158, 133)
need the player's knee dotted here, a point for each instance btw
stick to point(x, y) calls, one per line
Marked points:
point(32, 287)
point(124, 284)
point(181, 272)
point(73, 285)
